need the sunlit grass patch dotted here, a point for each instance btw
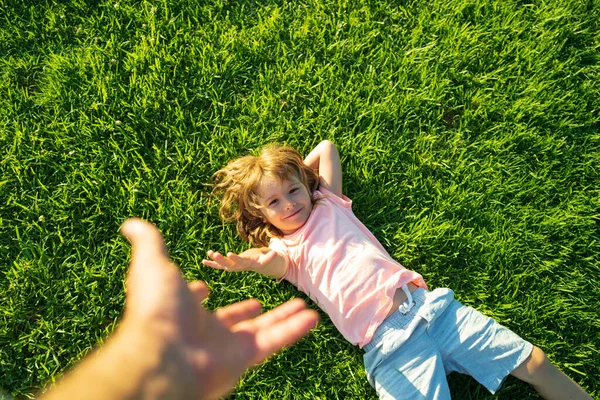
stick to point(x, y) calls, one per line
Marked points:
point(468, 133)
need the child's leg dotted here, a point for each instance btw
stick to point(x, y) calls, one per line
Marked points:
point(474, 344)
point(413, 371)
point(547, 380)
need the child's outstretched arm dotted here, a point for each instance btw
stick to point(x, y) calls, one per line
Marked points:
point(326, 159)
point(262, 260)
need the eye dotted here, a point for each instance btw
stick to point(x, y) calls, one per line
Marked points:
point(273, 202)
point(294, 190)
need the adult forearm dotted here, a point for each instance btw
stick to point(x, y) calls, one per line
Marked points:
point(116, 371)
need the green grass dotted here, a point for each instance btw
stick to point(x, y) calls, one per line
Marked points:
point(469, 134)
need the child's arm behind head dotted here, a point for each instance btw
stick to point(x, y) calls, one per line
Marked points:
point(326, 159)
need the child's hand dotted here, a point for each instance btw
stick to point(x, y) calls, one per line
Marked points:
point(250, 260)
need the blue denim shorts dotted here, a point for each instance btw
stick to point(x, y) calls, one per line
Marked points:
point(411, 354)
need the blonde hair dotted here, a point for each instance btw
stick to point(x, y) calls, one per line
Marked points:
point(237, 184)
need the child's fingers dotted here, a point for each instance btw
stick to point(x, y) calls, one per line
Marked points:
point(221, 262)
point(242, 262)
point(221, 259)
point(212, 264)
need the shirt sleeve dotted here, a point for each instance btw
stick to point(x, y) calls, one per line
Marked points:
point(343, 201)
point(291, 272)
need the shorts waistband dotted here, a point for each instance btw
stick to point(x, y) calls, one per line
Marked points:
point(399, 319)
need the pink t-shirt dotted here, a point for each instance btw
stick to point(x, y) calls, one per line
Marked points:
point(341, 266)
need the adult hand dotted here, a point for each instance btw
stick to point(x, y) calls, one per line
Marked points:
point(168, 345)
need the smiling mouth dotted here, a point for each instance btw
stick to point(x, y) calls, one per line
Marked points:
point(291, 215)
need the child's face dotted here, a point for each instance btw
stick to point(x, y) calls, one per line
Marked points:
point(286, 204)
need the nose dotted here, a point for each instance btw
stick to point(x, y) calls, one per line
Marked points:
point(290, 204)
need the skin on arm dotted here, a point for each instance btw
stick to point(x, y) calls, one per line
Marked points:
point(326, 159)
point(262, 260)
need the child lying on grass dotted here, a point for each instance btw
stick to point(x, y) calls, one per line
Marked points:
point(302, 226)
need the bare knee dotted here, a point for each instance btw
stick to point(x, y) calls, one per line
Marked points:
point(535, 368)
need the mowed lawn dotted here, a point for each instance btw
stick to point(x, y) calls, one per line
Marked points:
point(469, 134)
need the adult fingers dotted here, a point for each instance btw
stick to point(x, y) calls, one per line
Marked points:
point(199, 290)
point(238, 312)
point(284, 332)
point(272, 317)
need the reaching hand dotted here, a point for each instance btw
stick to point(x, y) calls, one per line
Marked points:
point(168, 346)
point(212, 350)
point(250, 260)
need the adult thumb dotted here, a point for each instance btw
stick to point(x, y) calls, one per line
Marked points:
point(147, 242)
point(150, 263)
